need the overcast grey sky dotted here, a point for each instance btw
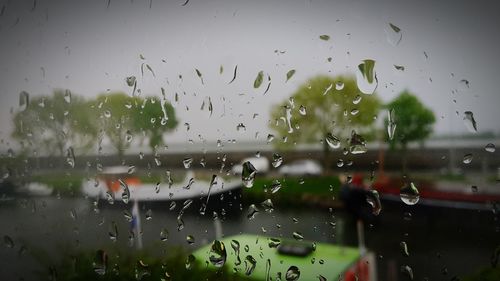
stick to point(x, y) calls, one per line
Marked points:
point(88, 48)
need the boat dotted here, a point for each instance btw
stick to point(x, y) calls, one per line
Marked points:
point(261, 258)
point(113, 182)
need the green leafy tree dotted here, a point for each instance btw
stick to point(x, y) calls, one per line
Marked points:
point(413, 121)
point(50, 124)
point(325, 107)
point(122, 117)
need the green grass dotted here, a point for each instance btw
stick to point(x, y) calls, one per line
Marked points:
point(64, 184)
point(292, 191)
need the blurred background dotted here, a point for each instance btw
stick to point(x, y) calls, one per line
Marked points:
point(139, 139)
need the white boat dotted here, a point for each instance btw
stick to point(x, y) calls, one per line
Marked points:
point(112, 182)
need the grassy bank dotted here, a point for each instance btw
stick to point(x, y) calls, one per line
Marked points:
point(294, 191)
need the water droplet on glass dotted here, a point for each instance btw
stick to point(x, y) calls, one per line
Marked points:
point(467, 158)
point(190, 262)
point(292, 274)
point(393, 34)
point(298, 236)
point(373, 198)
point(67, 96)
point(277, 160)
point(322, 278)
point(332, 141)
point(289, 74)
point(302, 110)
point(100, 263)
point(110, 197)
point(252, 211)
point(275, 186)
point(250, 264)
point(131, 169)
point(366, 78)
point(218, 254)
point(8, 242)
point(267, 205)
point(24, 100)
point(187, 162)
point(130, 81)
point(357, 144)
point(327, 89)
point(113, 231)
point(241, 128)
point(356, 99)
point(324, 37)
point(490, 147)
point(270, 138)
point(126, 191)
point(107, 113)
point(391, 124)
point(409, 194)
point(339, 85)
point(128, 136)
point(163, 234)
point(70, 157)
point(404, 248)
point(190, 239)
point(149, 215)
point(258, 79)
point(248, 174)
point(470, 122)
point(408, 271)
point(128, 216)
point(273, 242)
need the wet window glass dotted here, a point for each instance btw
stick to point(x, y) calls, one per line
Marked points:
point(249, 140)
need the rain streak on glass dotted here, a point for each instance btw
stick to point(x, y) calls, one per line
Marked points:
point(391, 124)
point(366, 77)
point(248, 174)
point(470, 122)
point(404, 248)
point(250, 264)
point(409, 194)
point(393, 34)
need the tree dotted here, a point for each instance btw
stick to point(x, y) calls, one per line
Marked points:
point(122, 117)
point(327, 109)
point(412, 122)
point(53, 123)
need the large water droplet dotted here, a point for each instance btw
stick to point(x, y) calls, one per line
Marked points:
point(357, 144)
point(126, 191)
point(267, 205)
point(292, 274)
point(490, 147)
point(277, 160)
point(250, 264)
point(409, 194)
point(100, 263)
point(248, 174)
point(289, 74)
point(404, 248)
point(67, 96)
point(275, 186)
point(470, 122)
point(241, 128)
point(332, 141)
point(252, 211)
point(190, 262)
point(70, 157)
point(187, 162)
point(393, 34)
point(218, 254)
point(391, 124)
point(9, 243)
point(339, 85)
point(467, 158)
point(366, 77)
point(24, 100)
point(373, 198)
point(258, 79)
